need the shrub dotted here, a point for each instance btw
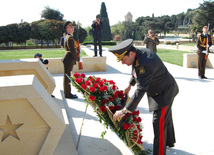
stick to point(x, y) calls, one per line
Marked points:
point(103, 42)
point(29, 43)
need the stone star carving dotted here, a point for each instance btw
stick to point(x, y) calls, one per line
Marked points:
point(9, 129)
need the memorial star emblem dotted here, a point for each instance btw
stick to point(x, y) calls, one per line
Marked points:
point(9, 129)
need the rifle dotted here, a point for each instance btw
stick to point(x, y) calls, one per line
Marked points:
point(207, 45)
point(80, 60)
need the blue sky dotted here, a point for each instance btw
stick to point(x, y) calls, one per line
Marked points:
point(85, 11)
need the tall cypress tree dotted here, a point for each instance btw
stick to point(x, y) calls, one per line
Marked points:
point(106, 31)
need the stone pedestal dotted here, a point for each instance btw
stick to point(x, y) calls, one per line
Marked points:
point(30, 120)
point(26, 67)
point(190, 60)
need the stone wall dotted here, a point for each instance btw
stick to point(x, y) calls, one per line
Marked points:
point(90, 64)
point(190, 60)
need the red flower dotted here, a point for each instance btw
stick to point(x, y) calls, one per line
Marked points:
point(78, 80)
point(115, 96)
point(92, 89)
point(83, 86)
point(122, 98)
point(137, 113)
point(105, 88)
point(125, 126)
point(111, 82)
point(139, 120)
point(91, 79)
point(139, 141)
point(101, 83)
point(138, 127)
point(118, 107)
point(92, 98)
point(104, 101)
point(95, 85)
point(135, 132)
point(76, 75)
point(135, 119)
point(102, 108)
point(114, 87)
point(140, 137)
point(120, 93)
point(134, 113)
point(87, 83)
point(102, 89)
point(98, 79)
point(110, 98)
point(82, 75)
point(111, 107)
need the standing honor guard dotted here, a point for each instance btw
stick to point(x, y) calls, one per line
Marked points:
point(151, 76)
point(203, 44)
point(69, 59)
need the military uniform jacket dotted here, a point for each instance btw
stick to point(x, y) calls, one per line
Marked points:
point(201, 43)
point(151, 76)
point(71, 47)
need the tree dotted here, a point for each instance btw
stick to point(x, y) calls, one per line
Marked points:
point(89, 38)
point(106, 31)
point(12, 30)
point(35, 30)
point(49, 13)
point(23, 32)
point(205, 15)
point(3, 35)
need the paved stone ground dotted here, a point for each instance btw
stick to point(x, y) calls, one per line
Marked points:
point(192, 113)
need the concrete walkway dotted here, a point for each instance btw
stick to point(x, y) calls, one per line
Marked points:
point(192, 113)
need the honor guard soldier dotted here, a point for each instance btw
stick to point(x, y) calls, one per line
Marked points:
point(203, 43)
point(69, 59)
point(151, 76)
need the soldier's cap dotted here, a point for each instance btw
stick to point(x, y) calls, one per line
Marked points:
point(121, 49)
point(68, 23)
point(37, 55)
point(205, 26)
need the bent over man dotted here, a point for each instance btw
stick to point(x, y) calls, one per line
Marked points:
point(151, 76)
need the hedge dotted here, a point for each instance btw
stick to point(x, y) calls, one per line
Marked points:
point(103, 42)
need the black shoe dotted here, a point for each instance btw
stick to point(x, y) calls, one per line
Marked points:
point(170, 145)
point(203, 77)
point(95, 56)
point(52, 96)
point(101, 56)
point(72, 96)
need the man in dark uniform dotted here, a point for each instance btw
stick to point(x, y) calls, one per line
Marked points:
point(70, 57)
point(97, 26)
point(202, 51)
point(151, 76)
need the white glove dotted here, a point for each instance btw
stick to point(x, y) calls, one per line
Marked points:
point(204, 51)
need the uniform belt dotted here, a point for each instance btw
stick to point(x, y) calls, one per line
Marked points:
point(68, 51)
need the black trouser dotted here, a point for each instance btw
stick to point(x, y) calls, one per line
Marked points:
point(97, 39)
point(163, 130)
point(66, 81)
point(201, 64)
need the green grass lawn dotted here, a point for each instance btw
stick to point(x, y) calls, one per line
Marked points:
point(188, 44)
point(170, 56)
point(46, 53)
